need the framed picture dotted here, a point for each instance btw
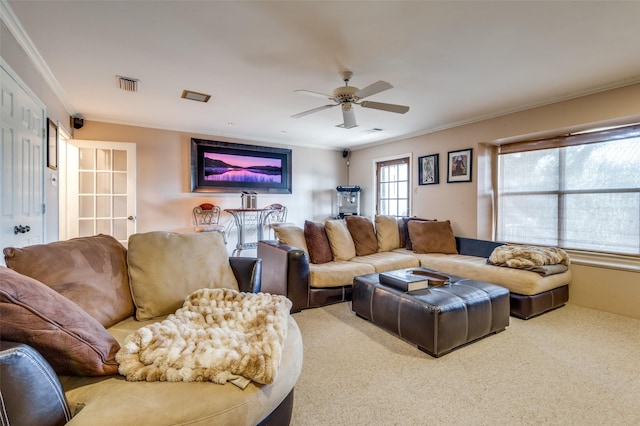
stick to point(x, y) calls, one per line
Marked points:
point(428, 169)
point(52, 145)
point(231, 167)
point(459, 166)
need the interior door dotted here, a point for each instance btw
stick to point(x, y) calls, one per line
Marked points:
point(101, 183)
point(22, 161)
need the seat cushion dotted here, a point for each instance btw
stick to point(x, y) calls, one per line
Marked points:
point(90, 271)
point(114, 401)
point(337, 273)
point(388, 261)
point(165, 267)
point(70, 339)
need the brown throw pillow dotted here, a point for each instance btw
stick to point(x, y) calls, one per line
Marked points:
point(364, 237)
point(90, 271)
point(432, 237)
point(72, 341)
point(407, 238)
point(317, 242)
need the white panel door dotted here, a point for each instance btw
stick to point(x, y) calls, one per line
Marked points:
point(101, 189)
point(22, 162)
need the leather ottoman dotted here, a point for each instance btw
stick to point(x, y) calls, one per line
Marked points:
point(436, 319)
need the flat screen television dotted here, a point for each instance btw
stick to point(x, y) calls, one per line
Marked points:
point(232, 167)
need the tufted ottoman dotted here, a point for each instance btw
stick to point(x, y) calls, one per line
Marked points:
point(436, 319)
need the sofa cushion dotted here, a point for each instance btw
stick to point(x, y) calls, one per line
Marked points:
point(432, 237)
point(291, 235)
point(387, 261)
point(337, 273)
point(363, 235)
point(70, 339)
point(165, 267)
point(90, 271)
point(387, 232)
point(342, 245)
point(405, 230)
point(317, 242)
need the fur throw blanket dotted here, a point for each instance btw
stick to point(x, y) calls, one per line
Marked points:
point(217, 335)
point(544, 260)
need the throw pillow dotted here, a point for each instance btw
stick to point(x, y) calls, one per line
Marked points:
point(90, 271)
point(317, 242)
point(166, 267)
point(432, 237)
point(387, 233)
point(291, 235)
point(71, 340)
point(407, 238)
point(342, 245)
point(363, 235)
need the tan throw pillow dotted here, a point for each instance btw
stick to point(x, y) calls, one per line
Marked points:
point(317, 242)
point(363, 235)
point(166, 267)
point(432, 237)
point(387, 233)
point(342, 245)
point(290, 235)
point(90, 271)
point(407, 238)
point(71, 340)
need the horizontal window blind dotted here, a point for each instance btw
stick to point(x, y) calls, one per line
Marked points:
point(578, 192)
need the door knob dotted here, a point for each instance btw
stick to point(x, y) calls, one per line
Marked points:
point(21, 229)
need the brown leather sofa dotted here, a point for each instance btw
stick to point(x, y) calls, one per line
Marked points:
point(32, 393)
point(287, 270)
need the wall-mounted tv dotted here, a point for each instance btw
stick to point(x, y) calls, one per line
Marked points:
point(232, 167)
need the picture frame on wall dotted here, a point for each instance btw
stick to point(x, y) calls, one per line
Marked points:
point(428, 169)
point(459, 165)
point(52, 145)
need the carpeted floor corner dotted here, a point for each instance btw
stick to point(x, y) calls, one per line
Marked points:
point(570, 366)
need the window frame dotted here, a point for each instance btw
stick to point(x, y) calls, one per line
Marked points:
point(383, 162)
point(621, 261)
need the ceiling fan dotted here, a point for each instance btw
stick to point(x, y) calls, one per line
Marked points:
point(347, 96)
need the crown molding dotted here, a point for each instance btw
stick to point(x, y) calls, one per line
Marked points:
point(18, 32)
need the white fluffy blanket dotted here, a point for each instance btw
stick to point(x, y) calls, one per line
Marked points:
point(536, 258)
point(217, 335)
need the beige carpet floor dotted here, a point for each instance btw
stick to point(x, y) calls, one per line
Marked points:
point(570, 366)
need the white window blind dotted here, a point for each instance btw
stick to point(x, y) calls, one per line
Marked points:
point(577, 192)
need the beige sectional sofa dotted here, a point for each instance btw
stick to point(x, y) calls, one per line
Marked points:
point(316, 276)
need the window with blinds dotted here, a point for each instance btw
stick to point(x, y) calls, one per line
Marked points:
point(581, 191)
point(392, 187)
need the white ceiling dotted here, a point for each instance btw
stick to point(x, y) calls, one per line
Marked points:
point(451, 62)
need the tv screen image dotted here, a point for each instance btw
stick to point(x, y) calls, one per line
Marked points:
point(231, 167)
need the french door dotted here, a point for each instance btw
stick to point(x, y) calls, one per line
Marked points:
point(100, 189)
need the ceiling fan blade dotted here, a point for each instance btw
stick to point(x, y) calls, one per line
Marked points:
point(400, 109)
point(372, 89)
point(349, 117)
point(310, 93)
point(311, 111)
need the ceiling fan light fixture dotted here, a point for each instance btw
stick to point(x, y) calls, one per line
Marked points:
point(195, 96)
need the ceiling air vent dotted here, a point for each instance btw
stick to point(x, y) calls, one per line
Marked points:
point(127, 83)
point(195, 96)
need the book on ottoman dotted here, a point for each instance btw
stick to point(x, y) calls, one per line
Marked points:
point(412, 279)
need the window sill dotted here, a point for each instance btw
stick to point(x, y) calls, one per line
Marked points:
point(605, 260)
